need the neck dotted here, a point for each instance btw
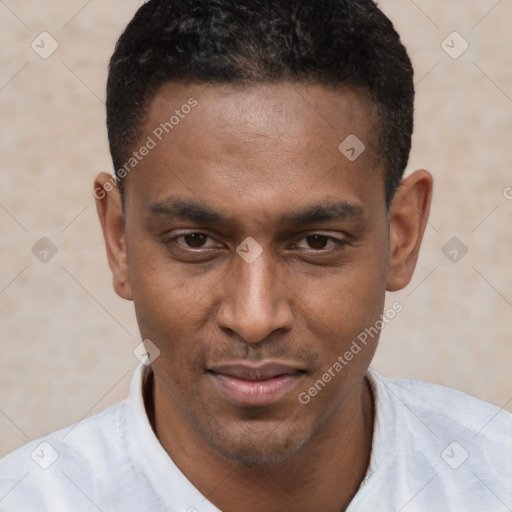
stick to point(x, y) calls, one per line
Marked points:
point(324, 476)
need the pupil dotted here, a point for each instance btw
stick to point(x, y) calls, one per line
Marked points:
point(317, 241)
point(195, 239)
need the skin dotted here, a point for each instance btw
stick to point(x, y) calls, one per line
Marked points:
point(254, 155)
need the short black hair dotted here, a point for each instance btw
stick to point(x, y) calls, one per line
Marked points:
point(330, 42)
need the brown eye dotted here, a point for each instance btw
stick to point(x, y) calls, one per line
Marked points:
point(317, 241)
point(194, 247)
point(195, 240)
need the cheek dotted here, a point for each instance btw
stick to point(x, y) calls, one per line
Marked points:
point(342, 310)
point(172, 306)
point(347, 299)
point(158, 298)
point(163, 290)
point(342, 320)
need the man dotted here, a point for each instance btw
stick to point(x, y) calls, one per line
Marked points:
point(258, 216)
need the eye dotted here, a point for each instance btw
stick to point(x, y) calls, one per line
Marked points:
point(194, 240)
point(319, 242)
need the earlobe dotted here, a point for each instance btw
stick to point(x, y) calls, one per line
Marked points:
point(110, 213)
point(408, 214)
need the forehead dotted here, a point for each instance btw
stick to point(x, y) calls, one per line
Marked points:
point(295, 111)
point(265, 144)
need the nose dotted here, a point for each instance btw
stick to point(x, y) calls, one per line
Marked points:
point(255, 301)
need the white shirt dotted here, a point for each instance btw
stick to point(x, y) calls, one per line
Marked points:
point(434, 449)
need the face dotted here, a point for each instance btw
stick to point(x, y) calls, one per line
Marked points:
point(255, 253)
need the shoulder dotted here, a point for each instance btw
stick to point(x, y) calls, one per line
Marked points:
point(452, 446)
point(43, 468)
point(446, 408)
point(435, 448)
point(80, 442)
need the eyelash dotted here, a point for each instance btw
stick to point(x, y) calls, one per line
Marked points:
point(338, 243)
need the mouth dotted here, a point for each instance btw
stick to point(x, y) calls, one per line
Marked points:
point(250, 385)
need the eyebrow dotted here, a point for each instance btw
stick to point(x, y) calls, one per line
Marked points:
point(190, 209)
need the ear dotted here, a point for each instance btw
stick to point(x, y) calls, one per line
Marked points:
point(110, 213)
point(408, 216)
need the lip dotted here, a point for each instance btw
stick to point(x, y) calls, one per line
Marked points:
point(256, 385)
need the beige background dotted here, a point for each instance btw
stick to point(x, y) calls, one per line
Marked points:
point(67, 339)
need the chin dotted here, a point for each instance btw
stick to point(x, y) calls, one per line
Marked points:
point(250, 445)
